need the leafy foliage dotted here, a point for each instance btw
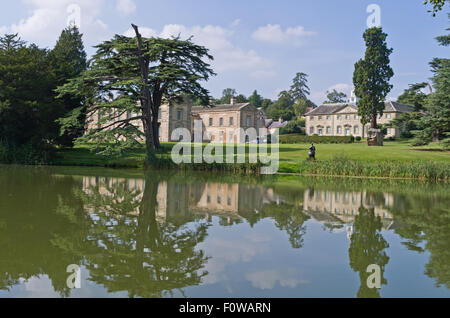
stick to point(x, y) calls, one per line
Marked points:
point(371, 76)
point(127, 82)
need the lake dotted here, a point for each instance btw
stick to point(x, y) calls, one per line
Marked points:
point(160, 234)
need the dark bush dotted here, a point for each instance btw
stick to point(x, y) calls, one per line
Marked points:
point(300, 139)
point(294, 127)
point(358, 138)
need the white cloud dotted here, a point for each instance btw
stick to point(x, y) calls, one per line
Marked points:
point(48, 18)
point(267, 279)
point(227, 56)
point(126, 6)
point(341, 87)
point(319, 97)
point(273, 33)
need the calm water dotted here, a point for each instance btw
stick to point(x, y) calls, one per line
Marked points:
point(196, 235)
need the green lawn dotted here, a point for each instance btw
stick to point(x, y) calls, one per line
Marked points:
point(396, 159)
point(289, 154)
point(393, 150)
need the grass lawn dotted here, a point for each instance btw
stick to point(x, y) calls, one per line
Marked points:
point(293, 157)
point(392, 150)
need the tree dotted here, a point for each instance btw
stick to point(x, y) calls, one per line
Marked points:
point(283, 107)
point(227, 93)
point(372, 75)
point(240, 99)
point(26, 103)
point(299, 89)
point(256, 99)
point(68, 60)
point(266, 103)
point(335, 97)
point(135, 76)
point(367, 247)
point(11, 42)
point(437, 5)
point(435, 123)
point(414, 95)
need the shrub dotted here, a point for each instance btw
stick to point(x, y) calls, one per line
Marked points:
point(294, 127)
point(27, 154)
point(300, 139)
point(358, 138)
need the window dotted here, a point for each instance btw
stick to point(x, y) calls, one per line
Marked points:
point(339, 117)
point(356, 117)
point(311, 130)
point(159, 114)
point(180, 115)
point(347, 116)
point(231, 121)
point(320, 117)
point(347, 131)
point(320, 131)
point(210, 122)
point(356, 130)
point(159, 131)
point(328, 130)
point(339, 130)
point(328, 117)
point(208, 199)
point(311, 118)
point(220, 121)
point(249, 120)
point(219, 199)
point(388, 116)
point(229, 200)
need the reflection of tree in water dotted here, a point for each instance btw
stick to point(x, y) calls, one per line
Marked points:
point(426, 220)
point(367, 247)
point(29, 226)
point(129, 249)
point(288, 217)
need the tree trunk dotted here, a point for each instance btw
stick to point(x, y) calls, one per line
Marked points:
point(146, 101)
point(373, 121)
point(436, 135)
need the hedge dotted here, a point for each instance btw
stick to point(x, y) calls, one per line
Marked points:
point(301, 139)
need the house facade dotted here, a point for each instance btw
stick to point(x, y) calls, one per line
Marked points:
point(343, 120)
point(222, 123)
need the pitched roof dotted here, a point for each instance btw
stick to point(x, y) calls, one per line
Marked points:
point(277, 124)
point(399, 107)
point(219, 108)
point(326, 109)
point(329, 109)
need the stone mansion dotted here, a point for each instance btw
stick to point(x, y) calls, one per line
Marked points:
point(343, 120)
point(220, 123)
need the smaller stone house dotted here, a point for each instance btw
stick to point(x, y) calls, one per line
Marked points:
point(343, 120)
point(221, 123)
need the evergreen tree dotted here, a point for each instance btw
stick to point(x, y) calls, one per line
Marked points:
point(434, 125)
point(371, 77)
point(135, 76)
point(299, 89)
point(68, 60)
point(256, 99)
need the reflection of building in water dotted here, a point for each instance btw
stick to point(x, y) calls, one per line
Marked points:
point(339, 208)
point(175, 200)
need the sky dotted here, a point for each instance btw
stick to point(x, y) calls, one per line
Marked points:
point(256, 44)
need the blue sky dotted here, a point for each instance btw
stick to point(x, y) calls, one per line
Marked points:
point(257, 44)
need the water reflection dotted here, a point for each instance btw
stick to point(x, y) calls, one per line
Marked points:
point(158, 236)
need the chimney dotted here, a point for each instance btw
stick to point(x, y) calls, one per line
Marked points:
point(233, 100)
